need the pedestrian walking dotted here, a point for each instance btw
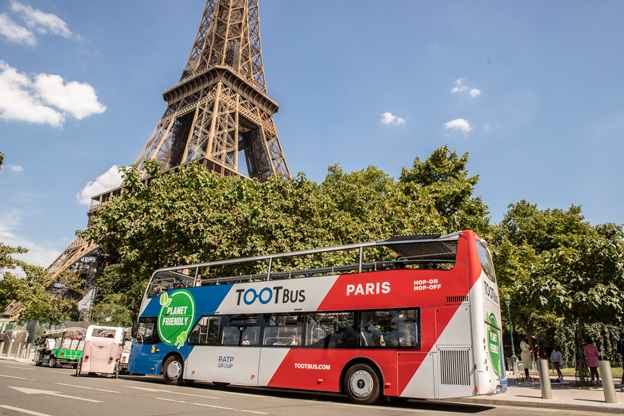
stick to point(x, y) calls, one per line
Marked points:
point(620, 349)
point(557, 360)
point(592, 359)
point(526, 355)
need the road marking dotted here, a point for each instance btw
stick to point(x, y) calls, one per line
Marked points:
point(170, 391)
point(19, 378)
point(21, 368)
point(61, 372)
point(87, 388)
point(51, 393)
point(28, 412)
point(211, 406)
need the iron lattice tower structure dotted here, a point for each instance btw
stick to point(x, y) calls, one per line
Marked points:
point(217, 112)
point(220, 109)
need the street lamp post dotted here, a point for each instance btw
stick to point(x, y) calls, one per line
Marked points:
point(513, 351)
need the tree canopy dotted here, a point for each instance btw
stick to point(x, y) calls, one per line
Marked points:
point(193, 216)
point(27, 284)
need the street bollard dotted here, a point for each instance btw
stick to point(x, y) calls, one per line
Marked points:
point(607, 381)
point(544, 379)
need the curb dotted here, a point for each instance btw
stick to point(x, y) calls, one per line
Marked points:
point(539, 405)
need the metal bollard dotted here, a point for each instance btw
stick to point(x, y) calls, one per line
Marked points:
point(607, 381)
point(544, 379)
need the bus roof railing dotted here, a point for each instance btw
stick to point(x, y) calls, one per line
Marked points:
point(416, 248)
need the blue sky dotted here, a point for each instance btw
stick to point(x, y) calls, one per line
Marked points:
point(532, 90)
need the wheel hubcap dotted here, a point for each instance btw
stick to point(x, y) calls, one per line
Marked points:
point(174, 369)
point(361, 383)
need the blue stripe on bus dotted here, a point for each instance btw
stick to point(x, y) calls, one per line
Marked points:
point(207, 300)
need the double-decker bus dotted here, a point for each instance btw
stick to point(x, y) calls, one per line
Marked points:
point(412, 316)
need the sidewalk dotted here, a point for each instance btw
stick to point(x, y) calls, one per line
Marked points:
point(565, 396)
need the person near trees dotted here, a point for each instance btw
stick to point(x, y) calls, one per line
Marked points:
point(620, 349)
point(526, 355)
point(592, 360)
point(557, 360)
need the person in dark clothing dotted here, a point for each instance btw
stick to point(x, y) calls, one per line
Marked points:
point(620, 349)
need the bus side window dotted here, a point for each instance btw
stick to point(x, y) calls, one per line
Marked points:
point(331, 330)
point(395, 328)
point(206, 331)
point(283, 330)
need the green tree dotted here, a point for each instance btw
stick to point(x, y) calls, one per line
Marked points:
point(112, 310)
point(442, 182)
point(27, 284)
point(519, 244)
point(583, 279)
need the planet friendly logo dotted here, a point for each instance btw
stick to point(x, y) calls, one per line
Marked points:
point(177, 314)
point(494, 344)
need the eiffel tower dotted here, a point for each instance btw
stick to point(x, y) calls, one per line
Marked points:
point(218, 113)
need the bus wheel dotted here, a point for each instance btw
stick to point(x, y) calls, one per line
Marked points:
point(117, 370)
point(172, 370)
point(52, 362)
point(78, 367)
point(362, 384)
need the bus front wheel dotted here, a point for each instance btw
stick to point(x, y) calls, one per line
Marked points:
point(362, 384)
point(173, 370)
point(52, 362)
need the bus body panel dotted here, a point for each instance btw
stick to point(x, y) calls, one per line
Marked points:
point(310, 369)
point(453, 305)
point(224, 364)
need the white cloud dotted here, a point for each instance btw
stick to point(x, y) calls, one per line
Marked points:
point(15, 168)
point(390, 119)
point(23, 99)
point(14, 32)
point(40, 21)
point(37, 255)
point(461, 88)
point(459, 124)
point(78, 99)
point(105, 182)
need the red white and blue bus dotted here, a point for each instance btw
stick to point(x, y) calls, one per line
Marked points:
point(412, 316)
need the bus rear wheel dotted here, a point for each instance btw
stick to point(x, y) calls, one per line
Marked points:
point(362, 384)
point(173, 370)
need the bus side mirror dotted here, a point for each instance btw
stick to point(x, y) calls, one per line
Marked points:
point(135, 326)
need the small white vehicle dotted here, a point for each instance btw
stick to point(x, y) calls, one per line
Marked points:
point(102, 351)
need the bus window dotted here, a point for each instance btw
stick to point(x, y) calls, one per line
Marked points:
point(395, 328)
point(485, 258)
point(206, 331)
point(146, 332)
point(331, 330)
point(283, 330)
point(241, 330)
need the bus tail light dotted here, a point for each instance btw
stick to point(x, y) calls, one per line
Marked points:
point(86, 357)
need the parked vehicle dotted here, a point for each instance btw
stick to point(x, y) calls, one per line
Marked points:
point(102, 351)
point(61, 346)
point(127, 347)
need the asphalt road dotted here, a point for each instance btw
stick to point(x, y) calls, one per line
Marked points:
point(29, 390)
